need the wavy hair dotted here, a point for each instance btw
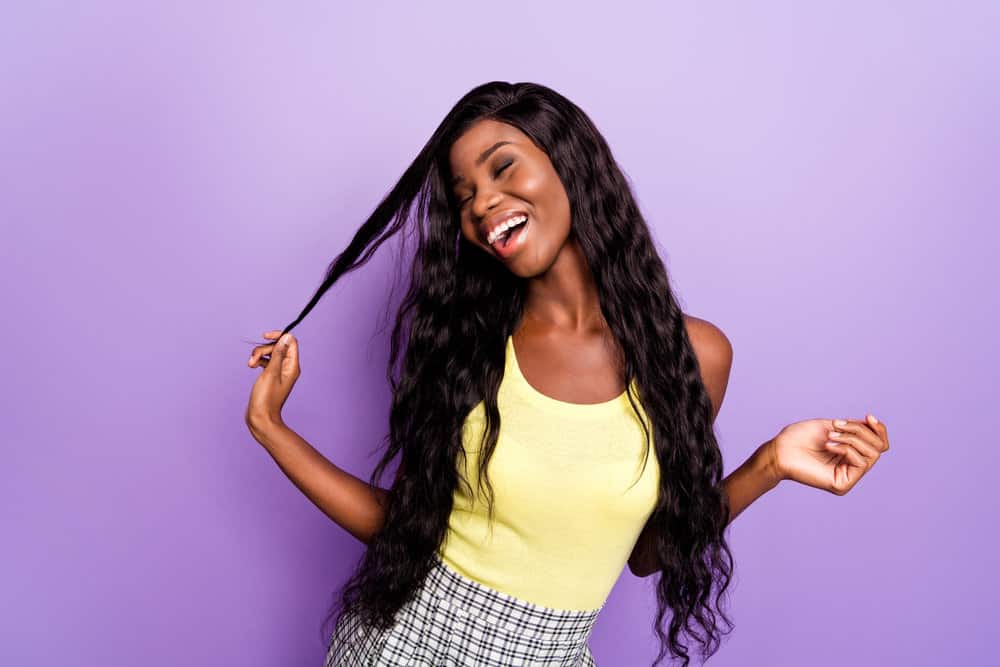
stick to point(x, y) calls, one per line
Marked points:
point(458, 310)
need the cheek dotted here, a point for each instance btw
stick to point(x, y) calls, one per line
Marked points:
point(532, 187)
point(546, 191)
point(469, 231)
point(556, 217)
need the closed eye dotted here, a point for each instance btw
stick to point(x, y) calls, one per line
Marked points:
point(495, 175)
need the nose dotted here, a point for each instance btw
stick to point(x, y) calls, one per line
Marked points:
point(484, 202)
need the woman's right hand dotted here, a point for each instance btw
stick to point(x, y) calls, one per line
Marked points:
point(275, 382)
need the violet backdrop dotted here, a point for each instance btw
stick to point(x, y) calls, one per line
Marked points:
point(821, 179)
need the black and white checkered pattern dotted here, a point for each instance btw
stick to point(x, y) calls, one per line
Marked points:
point(454, 621)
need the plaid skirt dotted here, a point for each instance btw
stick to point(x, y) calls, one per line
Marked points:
point(454, 621)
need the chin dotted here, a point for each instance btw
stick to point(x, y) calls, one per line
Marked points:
point(532, 269)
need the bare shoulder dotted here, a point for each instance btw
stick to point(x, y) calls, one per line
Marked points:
point(715, 357)
point(708, 340)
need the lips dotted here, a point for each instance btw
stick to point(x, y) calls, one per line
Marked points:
point(496, 220)
point(514, 243)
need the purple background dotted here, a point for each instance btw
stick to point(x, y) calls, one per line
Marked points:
point(822, 182)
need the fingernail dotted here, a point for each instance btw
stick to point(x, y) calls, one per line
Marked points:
point(839, 422)
point(286, 339)
point(873, 418)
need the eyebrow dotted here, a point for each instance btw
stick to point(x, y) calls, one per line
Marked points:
point(482, 158)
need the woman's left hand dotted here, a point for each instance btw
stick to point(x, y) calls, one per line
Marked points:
point(829, 454)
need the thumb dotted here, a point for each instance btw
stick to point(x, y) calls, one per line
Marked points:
point(290, 356)
point(278, 353)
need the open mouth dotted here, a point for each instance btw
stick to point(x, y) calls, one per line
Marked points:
point(509, 233)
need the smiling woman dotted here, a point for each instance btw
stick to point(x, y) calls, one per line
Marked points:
point(529, 237)
point(514, 170)
point(552, 413)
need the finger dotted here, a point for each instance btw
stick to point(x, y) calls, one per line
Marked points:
point(849, 452)
point(870, 440)
point(292, 351)
point(261, 350)
point(881, 441)
point(278, 352)
point(865, 449)
point(881, 430)
point(258, 352)
point(868, 453)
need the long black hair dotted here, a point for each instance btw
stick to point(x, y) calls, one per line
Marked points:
point(458, 310)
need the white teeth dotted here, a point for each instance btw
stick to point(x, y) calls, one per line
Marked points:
point(504, 226)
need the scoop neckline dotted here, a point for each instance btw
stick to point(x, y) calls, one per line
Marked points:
point(579, 409)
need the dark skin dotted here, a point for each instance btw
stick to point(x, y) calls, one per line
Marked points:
point(564, 349)
point(563, 343)
point(564, 346)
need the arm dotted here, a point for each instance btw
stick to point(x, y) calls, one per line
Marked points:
point(352, 503)
point(751, 480)
point(745, 484)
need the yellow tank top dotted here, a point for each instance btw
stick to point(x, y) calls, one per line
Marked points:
point(565, 520)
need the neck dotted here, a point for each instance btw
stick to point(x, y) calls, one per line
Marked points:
point(565, 296)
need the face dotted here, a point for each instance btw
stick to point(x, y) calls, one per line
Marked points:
point(514, 178)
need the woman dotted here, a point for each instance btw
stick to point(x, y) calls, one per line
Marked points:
point(539, 326)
